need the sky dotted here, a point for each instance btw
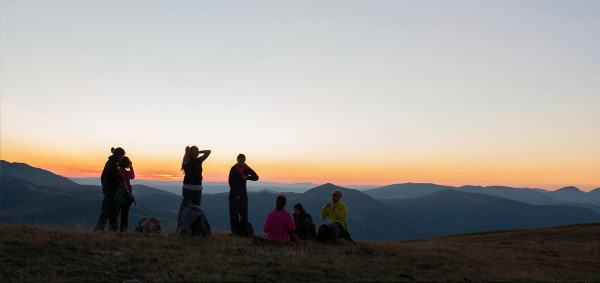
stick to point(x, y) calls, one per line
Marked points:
point(347, 92)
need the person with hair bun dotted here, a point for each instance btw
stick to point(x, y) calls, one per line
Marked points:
point(191, 219)
point(110, 183)
point(279, 224)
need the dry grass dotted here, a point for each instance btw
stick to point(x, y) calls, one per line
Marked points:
point(568, 253)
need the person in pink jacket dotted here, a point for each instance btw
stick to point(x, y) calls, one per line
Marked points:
point(126, 172)
point(279, 222)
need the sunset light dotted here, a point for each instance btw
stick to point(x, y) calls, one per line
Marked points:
point(351, 93)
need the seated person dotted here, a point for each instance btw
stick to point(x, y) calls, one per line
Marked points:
point(336, 211)
point(305, 228)
point(279, 222)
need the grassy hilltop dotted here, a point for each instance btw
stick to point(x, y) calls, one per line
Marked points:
point(567, 253)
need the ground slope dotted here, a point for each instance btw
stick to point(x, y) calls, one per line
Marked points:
point(567, 253)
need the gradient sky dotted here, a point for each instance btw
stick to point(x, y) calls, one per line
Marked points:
point(348, 92)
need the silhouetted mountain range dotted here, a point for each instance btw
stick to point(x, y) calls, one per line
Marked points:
point(35, 175)
point(531, 196)
point(209, 187)
point(454, 212)
point(39, 197)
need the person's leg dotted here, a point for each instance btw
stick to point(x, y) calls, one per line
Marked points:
point(109, 210)
point(244, 210)
point(197, 197)
point(233, 214)
point(113, 218)
point(336, 229)
point(124, 217)
point(105, 212)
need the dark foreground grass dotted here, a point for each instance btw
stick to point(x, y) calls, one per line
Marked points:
point(568, 253)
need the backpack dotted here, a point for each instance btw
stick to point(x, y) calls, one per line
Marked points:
point(191, 220)
point(325, 234)
point(123, 197)
point(156, 223)
point(245, 230)
point(149, 225)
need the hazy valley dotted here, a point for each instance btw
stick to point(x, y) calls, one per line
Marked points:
point(403, 211)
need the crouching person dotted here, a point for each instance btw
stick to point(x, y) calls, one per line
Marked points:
point(337, 229)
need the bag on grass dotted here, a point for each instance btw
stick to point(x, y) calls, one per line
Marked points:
point(149, 225)
point(245, 230)
point(325, 234)
point(191, 220)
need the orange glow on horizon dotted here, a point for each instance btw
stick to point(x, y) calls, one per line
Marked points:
point(544, 174)
point(347, 176)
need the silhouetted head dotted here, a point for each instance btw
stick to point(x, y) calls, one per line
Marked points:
point(125, 162)
point(336, 196)
point(280, 202)
point(190, 152)
point(118, 152)
point(241, 159)
point(298, 208)
point(194, 151)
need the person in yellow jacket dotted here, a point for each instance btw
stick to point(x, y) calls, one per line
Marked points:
point(337, 212)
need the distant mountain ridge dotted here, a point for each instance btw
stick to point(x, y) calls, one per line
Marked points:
point(455, 212)
point(526, 195)
point(441, 212)
point(209, 187)
point(33, 174)
point(219, 187)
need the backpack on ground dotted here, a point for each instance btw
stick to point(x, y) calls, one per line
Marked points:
point(325, 234)
point(191, 220)
point(149, 225)
point(245, 230)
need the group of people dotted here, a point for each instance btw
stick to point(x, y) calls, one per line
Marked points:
point(280, 226)
point(117, 173)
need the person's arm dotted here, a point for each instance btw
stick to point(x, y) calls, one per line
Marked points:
point(103, 176)
point(130, 174)
point(205, 154)
point(233, 181)
point(325, 211)
point(251, 175)
point(232, 177)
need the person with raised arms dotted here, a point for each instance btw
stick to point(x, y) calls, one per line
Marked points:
point(192, 166)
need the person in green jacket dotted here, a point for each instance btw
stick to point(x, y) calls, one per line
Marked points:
point(337, 212)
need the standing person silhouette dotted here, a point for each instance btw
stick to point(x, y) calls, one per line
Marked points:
point(126, 172)
point(110, 183)
point(238, 194)
point(192, 166)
